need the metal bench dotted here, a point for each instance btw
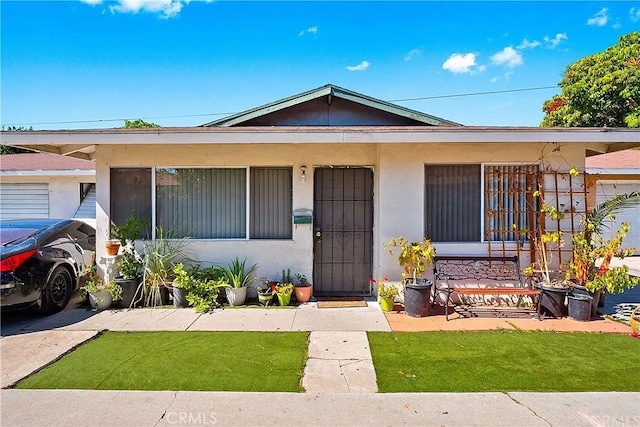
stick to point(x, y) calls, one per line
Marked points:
point(466, 276)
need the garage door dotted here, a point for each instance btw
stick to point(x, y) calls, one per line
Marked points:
point(24, 200)
point(608, 189)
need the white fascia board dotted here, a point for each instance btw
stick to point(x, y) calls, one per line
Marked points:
point(304, 135)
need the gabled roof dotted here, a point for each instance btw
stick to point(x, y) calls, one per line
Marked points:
point(330, 90)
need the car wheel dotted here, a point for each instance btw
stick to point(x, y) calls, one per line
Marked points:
point(58, 291)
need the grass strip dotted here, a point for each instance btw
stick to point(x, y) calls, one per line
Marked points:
point(208, 361)
point(503, 361)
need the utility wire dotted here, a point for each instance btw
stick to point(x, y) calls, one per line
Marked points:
point(474, 93)
point(227, 114)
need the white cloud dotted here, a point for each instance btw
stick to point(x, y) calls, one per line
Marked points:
point(634, 14)
point(553, 42)
point(526, 44)
point(599, 19)
point(360, 67)
point(494, 80)
point(508, 57)
point(412, 54)
point(459, 63)
point(310, 30)
point(166, 8)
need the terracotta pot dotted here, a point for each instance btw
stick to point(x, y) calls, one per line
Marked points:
point(112, 247)
point(303, 293)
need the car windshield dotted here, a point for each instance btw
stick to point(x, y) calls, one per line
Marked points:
point(13, 235)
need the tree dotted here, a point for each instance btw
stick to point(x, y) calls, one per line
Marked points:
point(600, 90)
point(139, 124)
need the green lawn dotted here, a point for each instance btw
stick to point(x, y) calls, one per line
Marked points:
point(213, 361)
point(504, 361)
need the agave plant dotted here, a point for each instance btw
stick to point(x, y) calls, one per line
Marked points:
point(237, 275)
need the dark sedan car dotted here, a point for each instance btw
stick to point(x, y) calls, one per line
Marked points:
point(42, 261)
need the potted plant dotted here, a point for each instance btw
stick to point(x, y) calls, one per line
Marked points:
point(196, 287)
point(238, 277)
point(265, 296)
point(160, 258)
point(588, 247)
point(130, 267)
point(101, 295)
point(112, 247)
point(303, 289)
point(130, 263)
point(414, 257)
point(283, 291)
point(386, 294)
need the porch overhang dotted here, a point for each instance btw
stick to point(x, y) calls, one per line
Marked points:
point(82, 143)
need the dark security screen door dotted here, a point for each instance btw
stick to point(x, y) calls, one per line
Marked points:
point(343, 211)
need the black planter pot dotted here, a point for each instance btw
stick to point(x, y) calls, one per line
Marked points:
point(417, 297)
point(596, 297)
point(129, 288)
point(180, 298)
point(165, 292)
point(552, 300)
point(579, 307)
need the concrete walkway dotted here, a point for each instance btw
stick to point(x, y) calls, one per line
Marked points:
point(166, 408)
point(339, 378)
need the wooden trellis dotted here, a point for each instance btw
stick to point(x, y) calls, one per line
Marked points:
point(513, 198)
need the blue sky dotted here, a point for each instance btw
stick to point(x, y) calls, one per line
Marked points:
point(184, 63)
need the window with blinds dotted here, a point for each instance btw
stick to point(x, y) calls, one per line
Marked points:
point(509, 201)
point(271, 201)
point(202, 203)
point(131, 191)
point(454, 196)
point(452, 203)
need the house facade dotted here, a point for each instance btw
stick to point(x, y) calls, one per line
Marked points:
point(611, 174)
point(318, 182)
point(44, 185)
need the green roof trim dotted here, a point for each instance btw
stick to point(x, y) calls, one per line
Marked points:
point(336, 91)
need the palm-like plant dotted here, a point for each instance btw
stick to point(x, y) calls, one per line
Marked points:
point(596, 218)
point(587, 248)
point(237, 275)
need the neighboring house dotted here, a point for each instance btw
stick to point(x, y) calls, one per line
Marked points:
point(43, 185)
point(318, 182)
point(613, 174)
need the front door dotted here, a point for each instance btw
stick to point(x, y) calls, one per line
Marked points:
point(343, 227)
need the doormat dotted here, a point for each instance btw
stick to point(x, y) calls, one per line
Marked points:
point(341, 302)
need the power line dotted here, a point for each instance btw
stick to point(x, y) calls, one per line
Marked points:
point(227, 114)
point(117, 120)
point(474, 93)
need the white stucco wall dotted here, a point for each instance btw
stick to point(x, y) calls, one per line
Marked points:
point(64, 191)
point(398, 189)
